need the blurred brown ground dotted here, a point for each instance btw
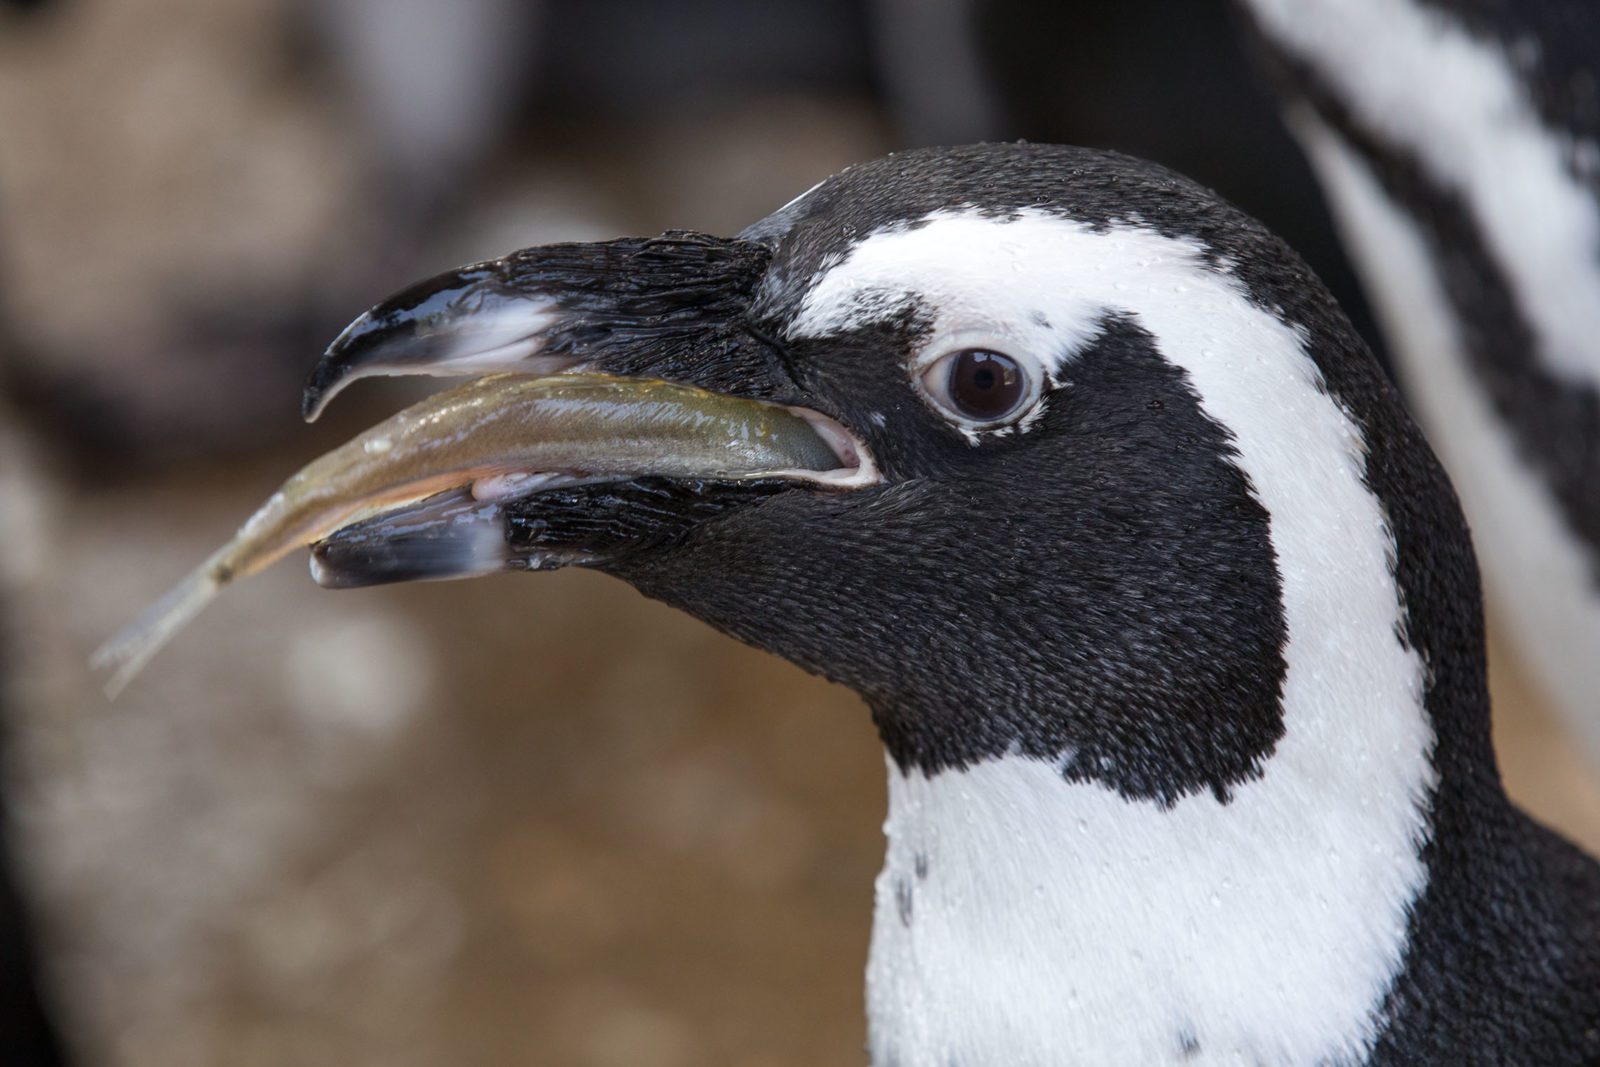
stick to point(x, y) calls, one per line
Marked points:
point(526, 820)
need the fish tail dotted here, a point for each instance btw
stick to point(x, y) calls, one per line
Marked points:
point(126, 654)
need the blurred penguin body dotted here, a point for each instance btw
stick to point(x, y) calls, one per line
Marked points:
point(1459, 144)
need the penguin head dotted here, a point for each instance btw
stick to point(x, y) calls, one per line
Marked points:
point(1117, 462)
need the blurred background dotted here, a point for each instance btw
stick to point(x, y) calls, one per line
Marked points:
point(516, 821)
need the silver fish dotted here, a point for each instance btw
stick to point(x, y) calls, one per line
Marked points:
point(495, 434)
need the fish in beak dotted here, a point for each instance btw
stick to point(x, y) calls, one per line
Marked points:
point(617, 384)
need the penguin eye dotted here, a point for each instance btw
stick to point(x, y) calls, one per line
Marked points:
point(979, 386)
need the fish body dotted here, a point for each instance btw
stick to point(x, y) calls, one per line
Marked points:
point(497, 434)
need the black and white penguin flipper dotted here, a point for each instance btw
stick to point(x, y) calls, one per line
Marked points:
point(1459, 145)
point(1165, 613)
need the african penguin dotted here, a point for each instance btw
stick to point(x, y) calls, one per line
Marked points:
point(1459, 144)
point(1164, 611)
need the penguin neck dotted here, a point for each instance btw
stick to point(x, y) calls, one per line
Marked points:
point(1022, 918)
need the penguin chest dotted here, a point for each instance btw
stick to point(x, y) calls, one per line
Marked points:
point(1025, 920)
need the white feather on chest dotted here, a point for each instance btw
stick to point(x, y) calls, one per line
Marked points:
point(1024, 920)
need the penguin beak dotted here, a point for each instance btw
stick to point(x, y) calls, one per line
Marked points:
point(672, 308)
point(670, 303)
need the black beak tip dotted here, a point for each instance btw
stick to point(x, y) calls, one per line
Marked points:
point(450, 535)
point(371, 338)
point(339, 566)
point(314, 395)
point(407, 333)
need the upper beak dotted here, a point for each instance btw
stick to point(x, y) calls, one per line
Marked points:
point(664, 304)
